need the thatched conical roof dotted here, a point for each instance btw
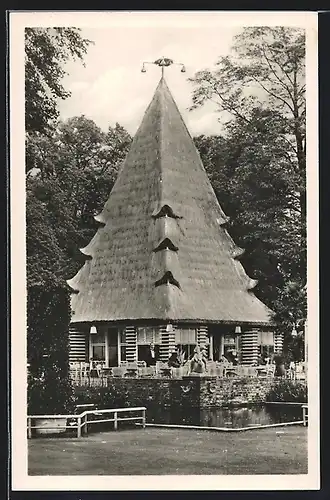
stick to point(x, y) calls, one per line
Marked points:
point(163, 253)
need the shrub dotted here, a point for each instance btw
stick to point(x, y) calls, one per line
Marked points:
point(288, 390)
point(103, 397)
point(49, 386)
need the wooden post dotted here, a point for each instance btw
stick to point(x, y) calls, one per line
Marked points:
point(86, 424)
point(79, 428)
point(115, 423)
point(306, 347)
point(144, 418)
point(106, 343)
point(222, 345)
point(305, 414)
point(211, 347)
point(29, 428)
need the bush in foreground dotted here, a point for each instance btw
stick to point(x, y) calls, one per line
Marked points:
point(288, 391)
point(49, 386)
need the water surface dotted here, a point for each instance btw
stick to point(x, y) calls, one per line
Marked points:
point(245, 416)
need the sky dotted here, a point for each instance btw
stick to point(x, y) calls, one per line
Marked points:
point(111, 88)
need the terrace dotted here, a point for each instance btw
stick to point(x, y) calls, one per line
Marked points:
point(94, 373)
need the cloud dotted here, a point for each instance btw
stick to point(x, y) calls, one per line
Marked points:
point(111, 88)
point(78, 86)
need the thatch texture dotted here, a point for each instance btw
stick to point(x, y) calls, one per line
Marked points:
point(163, 193)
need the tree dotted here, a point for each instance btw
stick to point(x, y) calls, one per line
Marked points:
point(47, 50)
point(258, 166)
point(266, 71)
point(49, 386)
point(49, 222)
point(70, 179)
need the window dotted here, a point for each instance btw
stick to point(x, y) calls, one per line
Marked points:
point(266, 351)
point(98, 347)
point(147, 335)
point(122, 345)
point(266, 344)
point(230, 348)
point(229, 343)
point(98, 352)
point(186, 340)
point(266, 338)
point(186, 336)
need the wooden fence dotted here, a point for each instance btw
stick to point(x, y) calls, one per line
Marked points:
point(82, 421)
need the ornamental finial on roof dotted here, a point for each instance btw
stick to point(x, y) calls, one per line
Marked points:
point(163, 62)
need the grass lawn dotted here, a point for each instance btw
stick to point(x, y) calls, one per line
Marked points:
point(281, 450)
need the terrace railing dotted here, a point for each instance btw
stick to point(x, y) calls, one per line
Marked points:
point(102, 377)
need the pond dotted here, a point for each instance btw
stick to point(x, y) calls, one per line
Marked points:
point(233, 417)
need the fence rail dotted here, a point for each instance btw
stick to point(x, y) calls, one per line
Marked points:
point(305, 414)
point(83, 421)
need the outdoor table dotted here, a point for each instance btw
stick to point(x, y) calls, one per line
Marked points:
point(166, 372)
point(107, 371)
point(261, 370)
point(231, 371)
point(131, 372)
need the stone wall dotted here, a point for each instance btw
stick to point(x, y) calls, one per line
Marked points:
point(217, 392)
point(197, 392)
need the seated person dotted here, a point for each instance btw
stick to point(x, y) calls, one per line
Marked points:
point(197, 362)
point(224, 360)
point(260, 360)
point(174, 360)
point(232, 357)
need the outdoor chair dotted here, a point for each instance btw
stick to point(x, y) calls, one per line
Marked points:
point(146, 371)
point(177, 372)
point(265, 370)
point(231, 371)
point(84, 369)
point(74, 368)
point(300, 371)
point(271, 370)
point(251, 371)
point(159, 365)
point(186, 368)
point(163, 369)
point(261, 371)
point(118, 371)
point(220, 370)
point(131, 370)
point(212, 370)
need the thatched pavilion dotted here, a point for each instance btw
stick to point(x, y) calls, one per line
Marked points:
point(162, 268)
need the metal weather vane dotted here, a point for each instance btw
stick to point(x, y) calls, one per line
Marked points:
point(163, 62)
